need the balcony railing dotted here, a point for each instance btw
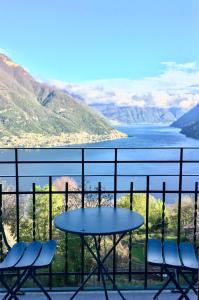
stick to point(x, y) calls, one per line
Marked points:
point(161, 183)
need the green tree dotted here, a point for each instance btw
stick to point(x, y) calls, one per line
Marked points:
point(186, 217)
point(42, 215)
point(139, 205)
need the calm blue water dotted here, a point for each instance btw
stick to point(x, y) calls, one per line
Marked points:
point(138, 136)
point(150, 136)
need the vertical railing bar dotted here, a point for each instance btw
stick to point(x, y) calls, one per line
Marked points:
point(17, 192)
point(147, 231)
point(82, 241)
point(195, 214)
point(130, 234)
point(1, 224)
point(17, 197)
point(163, 210)
point(99, 194)
point(163, 219)
point(83, 181)
point(33, 212)
point(131, 196)
point(115, 204)
point(50, 227)
point(99, 238)
point(115, 177)
point(180, 194)
point(66, 234)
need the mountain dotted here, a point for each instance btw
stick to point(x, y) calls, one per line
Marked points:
point(35, 114)
point(136, 114)
point(191, 130)
point(189, 118)
point(189, 123)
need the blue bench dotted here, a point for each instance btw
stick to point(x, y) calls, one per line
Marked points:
point(172, 257)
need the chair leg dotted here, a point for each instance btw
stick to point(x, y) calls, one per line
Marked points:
point(9, 290)
point(176, 283)
point(190, 287)
point(16, 287)
point(162, 288)
point(39, 285)
point(175, 290)
point(190, 284)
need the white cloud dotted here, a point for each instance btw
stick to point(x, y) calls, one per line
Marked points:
point(3, 51)
point(177, 85)
point(185, 66)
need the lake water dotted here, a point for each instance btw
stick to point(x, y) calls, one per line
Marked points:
point(143, 136)
point(150, 136)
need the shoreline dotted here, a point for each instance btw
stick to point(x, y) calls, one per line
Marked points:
point(37, 140)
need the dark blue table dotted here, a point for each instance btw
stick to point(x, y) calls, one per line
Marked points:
point(99, 221)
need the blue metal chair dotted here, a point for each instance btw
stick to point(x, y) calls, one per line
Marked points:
point(27, 258)
point(172, 257)
point(43, 260)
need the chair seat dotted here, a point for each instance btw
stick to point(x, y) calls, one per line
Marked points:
point(188, 256)
point(46, 255)
point(35, 254)
point(14, 255)
point(171, 254)
point(154, 252)
point(30, 255)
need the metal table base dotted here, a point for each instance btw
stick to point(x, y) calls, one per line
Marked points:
point(103, 271)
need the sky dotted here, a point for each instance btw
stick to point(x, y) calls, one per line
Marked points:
point(111, 43)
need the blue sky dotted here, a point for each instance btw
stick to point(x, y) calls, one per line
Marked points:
point(85, 40)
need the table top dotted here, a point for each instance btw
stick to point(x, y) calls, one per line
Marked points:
point(98, 221)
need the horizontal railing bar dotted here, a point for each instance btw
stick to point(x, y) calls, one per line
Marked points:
point(99, 175)
point(95, 161)
point(87, 273)
point(96, 192)
point(100, 148)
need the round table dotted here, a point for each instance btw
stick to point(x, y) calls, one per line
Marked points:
point(99, 221)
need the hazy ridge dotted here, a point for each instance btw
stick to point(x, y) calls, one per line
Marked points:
point(136, 114)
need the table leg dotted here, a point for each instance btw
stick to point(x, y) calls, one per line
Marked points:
point(83, 283)
point(101, 267)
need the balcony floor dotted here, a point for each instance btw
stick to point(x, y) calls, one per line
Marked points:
point(130, 295)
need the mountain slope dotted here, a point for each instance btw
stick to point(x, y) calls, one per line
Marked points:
point(189, 118)
point(191, 130)
point(30, 107)
point(189, 123)
point(136, 114)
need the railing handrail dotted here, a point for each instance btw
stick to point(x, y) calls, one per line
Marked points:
point(100, 148)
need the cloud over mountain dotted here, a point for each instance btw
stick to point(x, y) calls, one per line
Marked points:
point(176, 86)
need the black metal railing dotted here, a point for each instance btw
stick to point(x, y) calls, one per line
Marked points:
point(37, 184)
